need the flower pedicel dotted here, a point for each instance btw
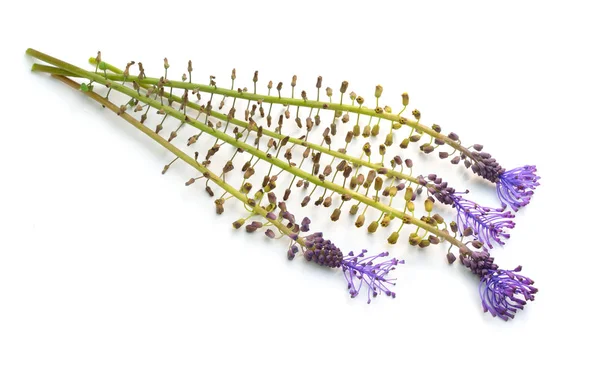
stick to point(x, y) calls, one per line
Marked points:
point(381, 184)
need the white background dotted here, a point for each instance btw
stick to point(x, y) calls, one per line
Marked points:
point(112, 275)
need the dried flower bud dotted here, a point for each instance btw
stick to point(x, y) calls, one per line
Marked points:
point(218, 204)
point(417, 114)
point(329, 91)
point(404, 143)
point(353, 209)
point(428, 205)
point(443, 155)
point(372, 227)
point(378, 183)
point(405, 99)
point(344, 86)
point(408, 162)
point(375, 130)
point(360, 221)
point(294, 79)
point(378, 91)
point(424, 243)
point(451, 258)
point(336, 214)
point(366, 131)
point(327, 201)
point(393, 238)
point(190, 181)
point(389, 139)
point(386, 220)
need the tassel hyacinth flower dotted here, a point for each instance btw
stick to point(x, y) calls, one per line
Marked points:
point(288, 162)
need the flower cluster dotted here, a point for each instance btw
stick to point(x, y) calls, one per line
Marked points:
point(503, 292)
point(360, 271)
point(515, 187)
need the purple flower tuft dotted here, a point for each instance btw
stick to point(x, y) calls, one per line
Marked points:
point(515, 187)
point(488, 224)
point(358, 269)
point(503, 292)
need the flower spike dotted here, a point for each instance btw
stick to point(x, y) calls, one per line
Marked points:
point(503, 292)
point(515, 187)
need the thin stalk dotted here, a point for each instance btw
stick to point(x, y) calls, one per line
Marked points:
point(235, 143)
point(182, 156)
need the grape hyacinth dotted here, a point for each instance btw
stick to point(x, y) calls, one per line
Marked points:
point(358, 269)
point(515, 187)
point(503, 292)
point(327, 172)
point(486, 224)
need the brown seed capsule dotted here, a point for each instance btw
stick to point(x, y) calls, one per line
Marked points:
point(279, 86)
point(386, 220)
point(210, 192)
point(345, 118)
point(375, 130)
point(336, 214)
point(333, 129)
point(299, 183)
point(327, 201)
point(218, 204)
point(344, 86)
point(238, 223)
point(373, 227)
point(286, 194)
point(453, 226)
point(347, 171)
point(405, 99)
point(389, 139)
point(305, 201)
point(327, 171)
point(378, 183)
point(414, 239)
point(393, 238)
point(408, 162)
point(415, 138)
point(353, 183)
point(360, 179)
point(443, 155)
point(294, 79)
point(346, 197)
point(424, 243)
point(360, 221)
point(366, 131)
point(427, 148)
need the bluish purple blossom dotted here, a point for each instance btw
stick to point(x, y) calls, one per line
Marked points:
point(515, 187)
point(361, 272)
point(503, 292)
point(488, 224)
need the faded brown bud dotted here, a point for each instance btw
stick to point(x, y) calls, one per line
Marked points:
point(373, 227)
point(405, 99)
point(378, 91)
point(360, 221)
point(393, 238)
point(344, 86)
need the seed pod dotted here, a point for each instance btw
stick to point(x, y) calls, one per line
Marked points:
point(405, 99)
point(344, 86)
point(327, 201)
point(305, 201)
point(336, 214)
point(438, 218)
point(424, 243)
point(346, 197)
point(389, 139)
point(386, 220)
point(393, 238)
point(247, 187)
point(378, 91)
point(416, 113)
point(327, 170)
point(414, 239)
point(375, 130)
point(360, 221)
point(372, 227)
point(428, 205)
point(404, 143)
point(347, 171)
point(345, 118)
point(218, 204)
point(366, 131)
point(353, 209)
point(408, 194)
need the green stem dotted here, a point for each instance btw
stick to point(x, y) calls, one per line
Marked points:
point(302, 103)
point(236, 144)
point(183, 156)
